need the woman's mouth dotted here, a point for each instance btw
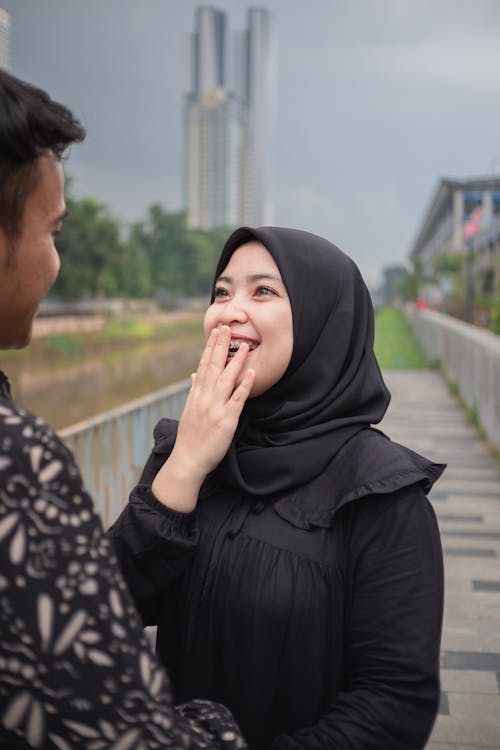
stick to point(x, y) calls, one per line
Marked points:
point(235, 345)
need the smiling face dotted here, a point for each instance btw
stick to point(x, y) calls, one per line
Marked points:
point(250, 297)
point(30, 267)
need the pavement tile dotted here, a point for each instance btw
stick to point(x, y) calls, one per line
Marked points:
point(471, 706)
point(460, 728)
point(468, 681)
point(424, 416)
point(486, 585)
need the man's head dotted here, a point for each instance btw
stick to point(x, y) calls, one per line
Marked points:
point(34, 133)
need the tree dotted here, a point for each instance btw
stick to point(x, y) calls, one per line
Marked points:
point(181, 260)
point(391, 283)
point(159, 257)
point(91, 251)
point(449, 263)
point(135, 280)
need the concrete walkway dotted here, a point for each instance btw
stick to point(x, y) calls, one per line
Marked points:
point(424, 416)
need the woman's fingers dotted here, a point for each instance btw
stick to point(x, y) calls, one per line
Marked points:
point(241, 394)
point(232, 372)
point(214, 357)
point(206, 356)
point(214, 405)
point(218, 356)
point(214, 383)
point(214, 371)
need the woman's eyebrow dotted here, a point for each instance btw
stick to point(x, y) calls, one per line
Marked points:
point(261, 276)
point(252, 278)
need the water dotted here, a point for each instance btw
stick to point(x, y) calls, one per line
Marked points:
point(68, 394)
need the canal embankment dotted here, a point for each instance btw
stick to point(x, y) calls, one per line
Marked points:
point(69, 375)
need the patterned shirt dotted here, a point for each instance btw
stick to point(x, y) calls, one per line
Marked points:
point(75, 668)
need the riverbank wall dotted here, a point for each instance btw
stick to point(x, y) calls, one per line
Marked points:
point(67, 325)
point(469, 358)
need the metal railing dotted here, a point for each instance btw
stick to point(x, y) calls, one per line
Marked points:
point(111, 449)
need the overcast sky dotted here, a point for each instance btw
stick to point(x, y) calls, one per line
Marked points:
point(374, 103)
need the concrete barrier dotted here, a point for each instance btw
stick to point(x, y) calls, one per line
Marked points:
point(469, 357)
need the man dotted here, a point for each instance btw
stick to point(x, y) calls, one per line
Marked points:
point(75, 669)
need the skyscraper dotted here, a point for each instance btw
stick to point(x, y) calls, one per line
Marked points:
point(4, 39)
point(214, 138)
point(227, 127)
point(212, 127)
point(257, 72)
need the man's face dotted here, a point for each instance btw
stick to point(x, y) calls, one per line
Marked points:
point(28, 270)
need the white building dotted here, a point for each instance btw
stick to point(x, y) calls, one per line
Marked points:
point(454, 204)
point(214, 142)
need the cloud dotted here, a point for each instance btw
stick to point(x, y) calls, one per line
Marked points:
point(374, 102)
point(453, 59)
point(358, 226)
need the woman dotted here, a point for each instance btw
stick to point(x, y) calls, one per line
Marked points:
point(285, 549)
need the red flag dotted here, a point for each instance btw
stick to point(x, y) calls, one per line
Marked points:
point(472, 225)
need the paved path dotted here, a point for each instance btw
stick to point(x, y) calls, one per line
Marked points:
point(424, 416)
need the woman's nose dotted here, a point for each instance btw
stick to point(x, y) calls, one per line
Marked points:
point(233, 311)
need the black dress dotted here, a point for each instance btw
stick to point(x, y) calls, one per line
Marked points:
point(321, 626)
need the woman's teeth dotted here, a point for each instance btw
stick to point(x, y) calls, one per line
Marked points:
point(235, 345)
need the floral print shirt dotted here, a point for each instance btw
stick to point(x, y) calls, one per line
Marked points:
point(75, 668)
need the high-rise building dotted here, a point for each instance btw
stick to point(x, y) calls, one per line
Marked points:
point(257, 72)
point(208, 51)
point(4, 39)
point(214, 138)
point(227, 126)
point(212, 127)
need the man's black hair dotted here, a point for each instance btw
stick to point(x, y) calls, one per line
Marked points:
point(31, 125)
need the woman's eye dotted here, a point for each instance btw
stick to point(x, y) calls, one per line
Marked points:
point(264, 291)
point(220, 292)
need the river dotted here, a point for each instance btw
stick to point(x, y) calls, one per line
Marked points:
point(68, 394)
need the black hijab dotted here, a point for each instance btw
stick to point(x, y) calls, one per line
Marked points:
point(307, 444)
point(332, 387)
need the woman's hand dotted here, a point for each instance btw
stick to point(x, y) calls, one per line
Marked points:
point(207, 424)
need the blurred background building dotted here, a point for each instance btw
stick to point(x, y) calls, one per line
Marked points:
point(457, 248)
point(459, 211)
point(227, 121)
point(4, 40)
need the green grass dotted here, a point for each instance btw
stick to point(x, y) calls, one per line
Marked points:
point(396, 347)
point(64, 344)
point(138, 329)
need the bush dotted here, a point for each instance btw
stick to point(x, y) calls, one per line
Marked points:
point(495, 316)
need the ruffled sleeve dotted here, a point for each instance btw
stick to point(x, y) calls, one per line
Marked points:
point(369, 464)
point(153, 543)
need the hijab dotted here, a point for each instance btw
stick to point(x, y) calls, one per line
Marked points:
point(306, 445)
point(332, 388)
